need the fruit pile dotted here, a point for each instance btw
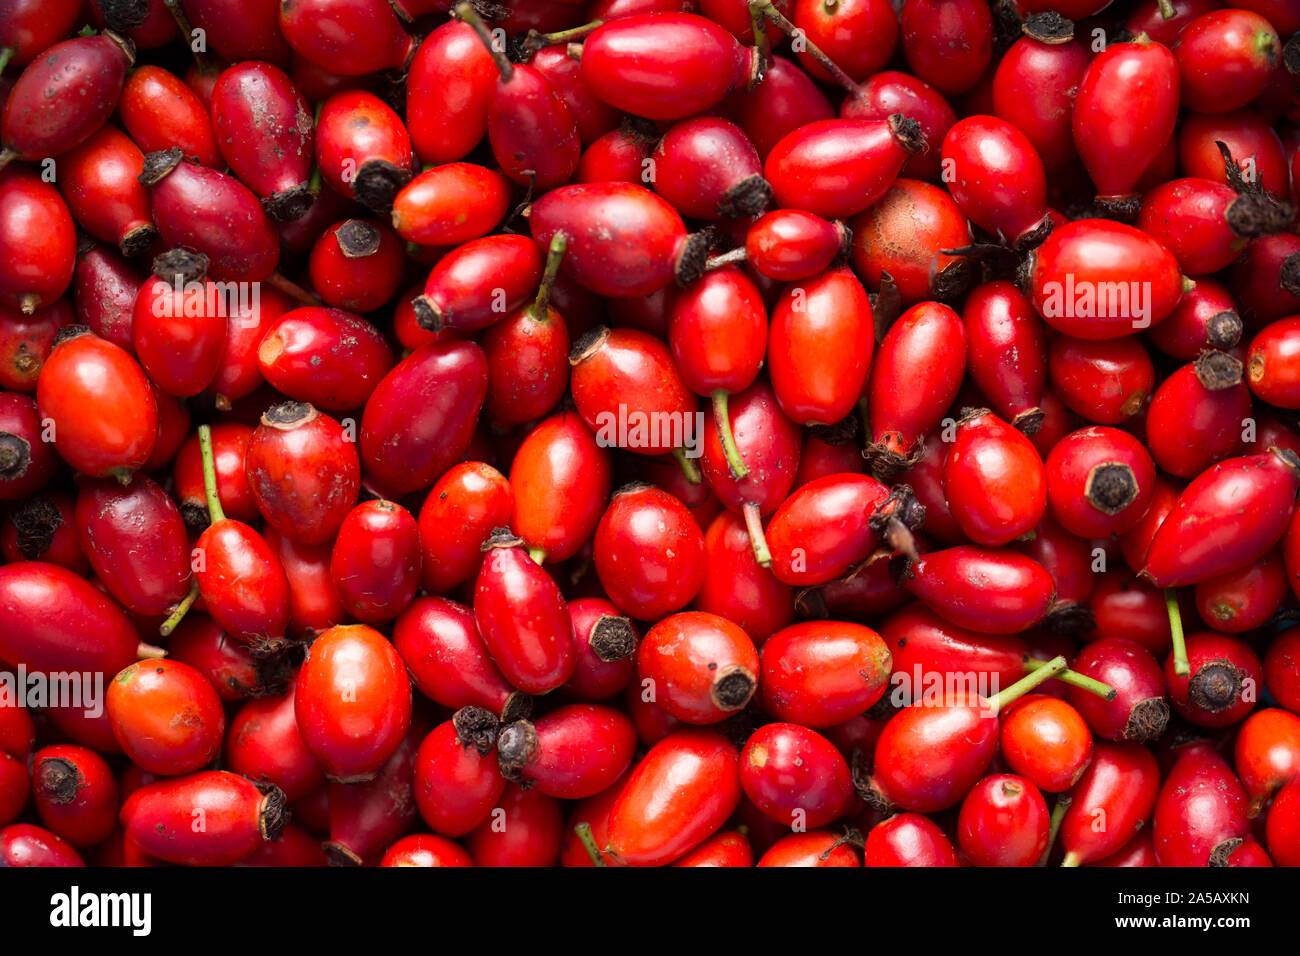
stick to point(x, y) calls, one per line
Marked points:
point(647, 432)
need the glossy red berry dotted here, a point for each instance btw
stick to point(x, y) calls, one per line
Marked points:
point(699, 667)
point(623, 240)
point(1047, 741)
point(167, 717)
point(353, 701)
point(947, 44)
point(1097, 279)
point(357, 265)
point(1003, 822)
point(457, 778)
point(908, 839)
point(1124, 113)
point(665, 66)
point(523, 618)
point(375, 561)
point(211, 213)
point(420, 418)
point(1200, 814)
point(111, 518)
point(1227, 518)
point(914, 381)
point(1099, 482)
point(820, 346)
point(451, 204)
point(103, 414)
point(994, 480)
point(75, 792)
point(1138, 711)
point(1119, 786)
point(37, 241)
point(1225, 59)
point(238, 818)
point(329, 357)
point(649, 552)
point(678, 796)
point(985, 156)
point(561, 478)
point(837, 168)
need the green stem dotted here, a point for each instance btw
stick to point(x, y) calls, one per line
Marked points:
point(180, 611)
point(541, 305)
point(1166, 9)
point(1181, 667)
point(565, 36)
point(5, 55)
point(758, 22)
point(722, 418)
point(466, 13)
point(215, 512)
point(1071, 859)
point(1058, 814)
point(826, 63)
point(1067, 676)
point(1027, 683)
point(689, 468)
point(757, 539)
point(148, 652)
point(537, 554)
point(589, 844)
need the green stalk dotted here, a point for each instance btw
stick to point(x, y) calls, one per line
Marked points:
point(589, 844)
point(1181, 667)
point(757, 539)
point(1067, 676)
point(178, 614)
point(722, 419)
point(541, 305)
point(689, 468)
point(215, 512)
point(1027, 683)
point(1058, 814)
point(758, 22)
point(568, 36)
